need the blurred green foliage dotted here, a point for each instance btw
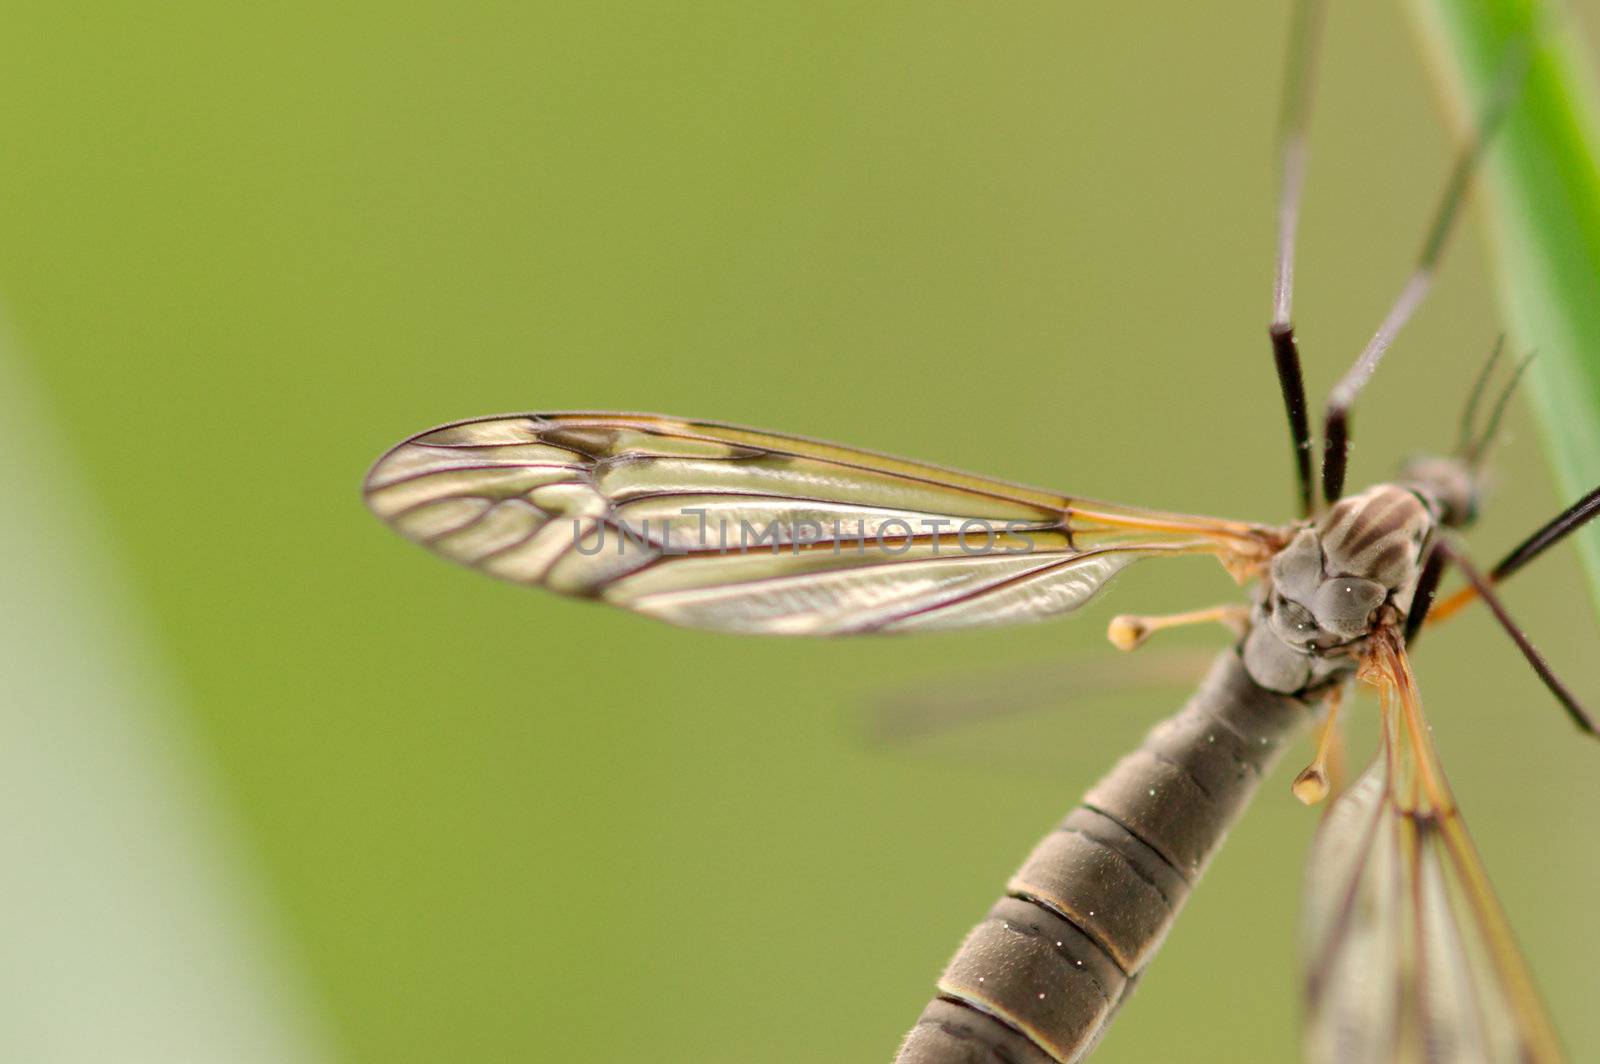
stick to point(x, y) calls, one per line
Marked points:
point(1543, 187)
point(248, 247)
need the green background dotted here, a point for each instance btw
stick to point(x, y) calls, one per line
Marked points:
point(244, 248)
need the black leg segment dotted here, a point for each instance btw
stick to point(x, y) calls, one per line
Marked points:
point(1563, 693)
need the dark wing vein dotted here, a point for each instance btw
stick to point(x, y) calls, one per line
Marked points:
point(1408, 956)
point(641, 511)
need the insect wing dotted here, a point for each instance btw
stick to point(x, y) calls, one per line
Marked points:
point(1408, 955)
point(714, 526)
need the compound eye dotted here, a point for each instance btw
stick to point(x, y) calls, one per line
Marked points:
point(1344, 604)
point(1294, 624)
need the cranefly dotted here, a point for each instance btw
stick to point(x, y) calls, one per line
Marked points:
point(715, 526)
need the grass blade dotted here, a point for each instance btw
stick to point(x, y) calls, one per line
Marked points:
point(1542, 193)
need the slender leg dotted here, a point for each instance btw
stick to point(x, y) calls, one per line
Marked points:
point(1298, 79)
point(1563, 693)
point(1470, 443)
point(1286, 356)
point(1427, 588)
point(1129, 631)
point(1566, 522)
point(1548, 535)
point(1469, 413)
point(1475, 451)
point(1336, 422)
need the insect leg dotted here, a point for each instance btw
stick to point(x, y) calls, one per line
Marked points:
point(1336, 421)
point(1469, 413)
point(1475, 450)
point(1546, 536)
point(1286, 356)
point(1129, 631)
point(1427, 587)
point(1471, 443)
point(1563, 693)
point(1298, 79)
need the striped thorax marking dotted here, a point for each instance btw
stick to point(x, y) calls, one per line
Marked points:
point(1324, 593)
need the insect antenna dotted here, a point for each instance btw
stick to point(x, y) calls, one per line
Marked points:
point(1336, 421)
point(1563, 693)
point(1298, 78)
point(1474, 453)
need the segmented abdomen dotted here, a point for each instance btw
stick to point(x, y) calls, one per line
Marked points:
point(1038, 980)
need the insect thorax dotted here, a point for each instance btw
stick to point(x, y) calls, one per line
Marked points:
point(1324, 592)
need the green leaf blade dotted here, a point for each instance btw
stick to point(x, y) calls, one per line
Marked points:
point(1542, 190)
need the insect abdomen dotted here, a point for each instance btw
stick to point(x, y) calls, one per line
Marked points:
point(1041, 976)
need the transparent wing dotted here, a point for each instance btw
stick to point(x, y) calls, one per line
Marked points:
point(1408, 954)
point(720, 527)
